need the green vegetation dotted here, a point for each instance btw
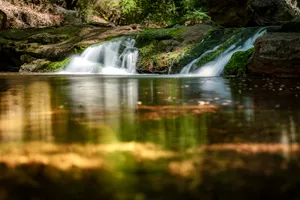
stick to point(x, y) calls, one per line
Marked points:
point(55, 66)
point(165, 12)
point(237, 64)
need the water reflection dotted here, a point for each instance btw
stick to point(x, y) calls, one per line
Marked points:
point(175, 113)
point(26, 112)
point(12, 114)
point(168, 138)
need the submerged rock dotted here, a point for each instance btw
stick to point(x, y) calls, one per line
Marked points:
point(276, 54)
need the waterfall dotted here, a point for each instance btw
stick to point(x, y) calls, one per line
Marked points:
point(216, 66)
point(114, 57)
point(120, 56)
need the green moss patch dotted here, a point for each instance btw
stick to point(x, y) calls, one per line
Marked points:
point(55, 66)
point(238, 62)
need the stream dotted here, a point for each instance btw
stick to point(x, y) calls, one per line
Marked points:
point(99, 130)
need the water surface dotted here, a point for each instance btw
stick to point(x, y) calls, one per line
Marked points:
point(148, 137)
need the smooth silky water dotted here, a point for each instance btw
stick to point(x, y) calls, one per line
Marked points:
point(139, 137)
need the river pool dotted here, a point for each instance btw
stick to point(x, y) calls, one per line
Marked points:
point(148, 137)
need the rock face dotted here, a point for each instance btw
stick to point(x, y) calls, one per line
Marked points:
point(270, 12)
point(238, 13)
point(276, 54)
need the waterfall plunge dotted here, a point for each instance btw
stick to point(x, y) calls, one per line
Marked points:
point(216, 67)
point(114, 57)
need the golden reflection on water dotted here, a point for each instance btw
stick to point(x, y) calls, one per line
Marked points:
point(93, 155)
point(12, 114)
point(26, 110)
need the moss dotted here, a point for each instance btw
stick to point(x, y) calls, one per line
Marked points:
point(238, 62)
point(55, 66)
point(77, 49)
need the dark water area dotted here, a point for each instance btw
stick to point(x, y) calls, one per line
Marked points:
point(148, 137)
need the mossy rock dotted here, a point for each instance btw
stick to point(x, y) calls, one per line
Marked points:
point(47, 38)
point(56, 66)
point(162, 49)
point(238, 62)
point(43, 65)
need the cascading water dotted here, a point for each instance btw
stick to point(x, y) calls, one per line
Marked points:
point(114, 57)
point(186, 69)
point(216, 66)
point(120, 56)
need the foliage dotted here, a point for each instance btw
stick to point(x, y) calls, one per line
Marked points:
point(196, 16)
point(160, 12)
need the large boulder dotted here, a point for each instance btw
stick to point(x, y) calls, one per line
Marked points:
point(238, 13)
point(276, 54)
point(271, 12)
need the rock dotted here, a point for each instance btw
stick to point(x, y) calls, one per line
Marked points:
point(270, 12)
point(46, 38)
point(70, 17)
point(238, 62)
point(238, 13)
point(34, 65)
point(293, 26)
point(276, 54)
point(3, 20)
point(162, 49)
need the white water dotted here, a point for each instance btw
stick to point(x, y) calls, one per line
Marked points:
point(216, 67)
point(115, 57)
point(186, 69)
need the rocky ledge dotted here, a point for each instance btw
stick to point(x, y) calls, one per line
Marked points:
point(277, 54)
point(43, 49)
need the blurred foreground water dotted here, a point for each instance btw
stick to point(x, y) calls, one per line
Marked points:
point(108, 137)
